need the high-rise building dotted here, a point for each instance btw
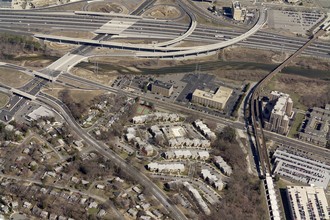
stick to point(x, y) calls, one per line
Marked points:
point(281, 110)
point(307, 202)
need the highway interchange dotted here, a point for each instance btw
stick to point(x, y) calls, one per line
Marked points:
point(148, 28)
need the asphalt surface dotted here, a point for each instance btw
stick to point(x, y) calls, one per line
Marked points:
point(157, 29)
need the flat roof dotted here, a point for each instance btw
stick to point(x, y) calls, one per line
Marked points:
point(308, 201)
point(162, 84)
point(221, 95)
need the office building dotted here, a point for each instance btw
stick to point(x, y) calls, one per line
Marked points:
point(216, 99)
point(280, 107)
point(307, 202)
point(162, 88)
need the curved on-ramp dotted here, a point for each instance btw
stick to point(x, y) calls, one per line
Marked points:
point(192, 27)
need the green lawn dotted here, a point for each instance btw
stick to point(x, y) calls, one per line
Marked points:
point(296, 125)
point(92, 211)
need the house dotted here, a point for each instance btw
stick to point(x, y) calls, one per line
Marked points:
point(141, 197)
point(155, 131)
point(61, 142)
point(147, 150)
point(212, 179)
point(129, 136)
point(131, 131)
point(169, 155)
point(44, 214)
point(27, 205)
point(14, 205)
point(99, 186)
point(137, 189)
point(101, 213)
point(203, 155)
point(157, 213)
point(197, 197)
point(173, 167)
point(145, 206)
point(93, 205)
point(52, 216)
point(75, 179)
point(133, 212)
point(222, 165)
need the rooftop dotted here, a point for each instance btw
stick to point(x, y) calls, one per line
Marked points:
point(162, 84)
point(221, 95)
point(306, 201)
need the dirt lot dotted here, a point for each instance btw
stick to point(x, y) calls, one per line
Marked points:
point(13, 78)
point(104, 78)
point(3, 99)
point(163, 11)
point(78, 95)
point(263, 56)
point(107, 7)
point(250, 55)
point(74, 34)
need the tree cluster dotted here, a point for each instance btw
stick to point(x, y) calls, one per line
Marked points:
point(242, 197)
point(11, 44)
point(76, 109)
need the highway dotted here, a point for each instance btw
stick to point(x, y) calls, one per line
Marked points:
point(154, 29)
point(152, 51)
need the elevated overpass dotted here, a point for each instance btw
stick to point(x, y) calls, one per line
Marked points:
point(23, 94)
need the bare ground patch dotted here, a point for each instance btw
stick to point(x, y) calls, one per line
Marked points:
point(105, 79)
point(13, 78)
point(3, 99)
point(78, 95)
point(163, 11)
point(251, 55)
point(74, 34)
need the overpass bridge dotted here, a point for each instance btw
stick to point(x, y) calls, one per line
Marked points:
point(23, 94)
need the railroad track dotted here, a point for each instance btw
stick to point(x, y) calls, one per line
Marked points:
point(255, 107)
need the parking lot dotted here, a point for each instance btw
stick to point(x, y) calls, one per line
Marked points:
point(296, 22)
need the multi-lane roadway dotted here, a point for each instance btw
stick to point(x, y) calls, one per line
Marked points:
point(153, 29)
